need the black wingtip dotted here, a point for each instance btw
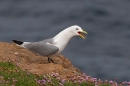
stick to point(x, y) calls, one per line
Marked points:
point(18, 42)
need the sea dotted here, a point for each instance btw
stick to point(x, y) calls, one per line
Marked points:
point(104, 54)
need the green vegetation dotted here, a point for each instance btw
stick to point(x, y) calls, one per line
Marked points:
point(12, 75)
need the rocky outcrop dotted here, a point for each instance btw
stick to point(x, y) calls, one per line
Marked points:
point(35, 63)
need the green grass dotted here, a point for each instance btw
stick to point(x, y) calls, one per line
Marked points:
point(13, 75)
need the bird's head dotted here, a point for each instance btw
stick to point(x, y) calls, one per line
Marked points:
point(77, 31)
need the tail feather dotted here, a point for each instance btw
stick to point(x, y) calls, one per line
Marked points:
point(18, 42)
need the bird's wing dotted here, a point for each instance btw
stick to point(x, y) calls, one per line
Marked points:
point(42, 48)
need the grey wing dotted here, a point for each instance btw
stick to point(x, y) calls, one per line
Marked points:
point(42, 48)
point(50, 41)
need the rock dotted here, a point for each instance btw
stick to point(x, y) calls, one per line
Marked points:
point(35, 63)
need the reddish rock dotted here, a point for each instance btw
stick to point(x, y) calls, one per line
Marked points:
point(35, 63)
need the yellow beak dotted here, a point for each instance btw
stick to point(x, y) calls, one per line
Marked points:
point(82, 34)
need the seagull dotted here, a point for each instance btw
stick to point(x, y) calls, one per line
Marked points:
point(53, 46)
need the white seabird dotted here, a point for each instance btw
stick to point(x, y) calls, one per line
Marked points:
point(53, 46)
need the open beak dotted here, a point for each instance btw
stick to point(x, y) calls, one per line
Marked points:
point(80, 34)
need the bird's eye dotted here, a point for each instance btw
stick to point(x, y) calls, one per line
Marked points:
point(77, 29)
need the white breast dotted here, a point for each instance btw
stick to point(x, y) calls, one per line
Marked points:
point(61, 44)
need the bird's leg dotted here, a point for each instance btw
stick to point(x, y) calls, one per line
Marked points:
point(50, 60)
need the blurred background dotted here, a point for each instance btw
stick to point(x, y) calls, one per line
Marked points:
point(104, 54)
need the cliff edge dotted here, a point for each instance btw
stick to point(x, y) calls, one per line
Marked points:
point(34, 63)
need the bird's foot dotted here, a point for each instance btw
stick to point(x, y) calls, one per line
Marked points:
point(50, 60)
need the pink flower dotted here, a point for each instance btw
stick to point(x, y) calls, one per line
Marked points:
point(60, 84)
point(79, 81)
point(58, 78)
point(43, 81)
point(110, 82)
point(115, 84)
point(128, 83)
point(63, 80)
point(124, 82)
